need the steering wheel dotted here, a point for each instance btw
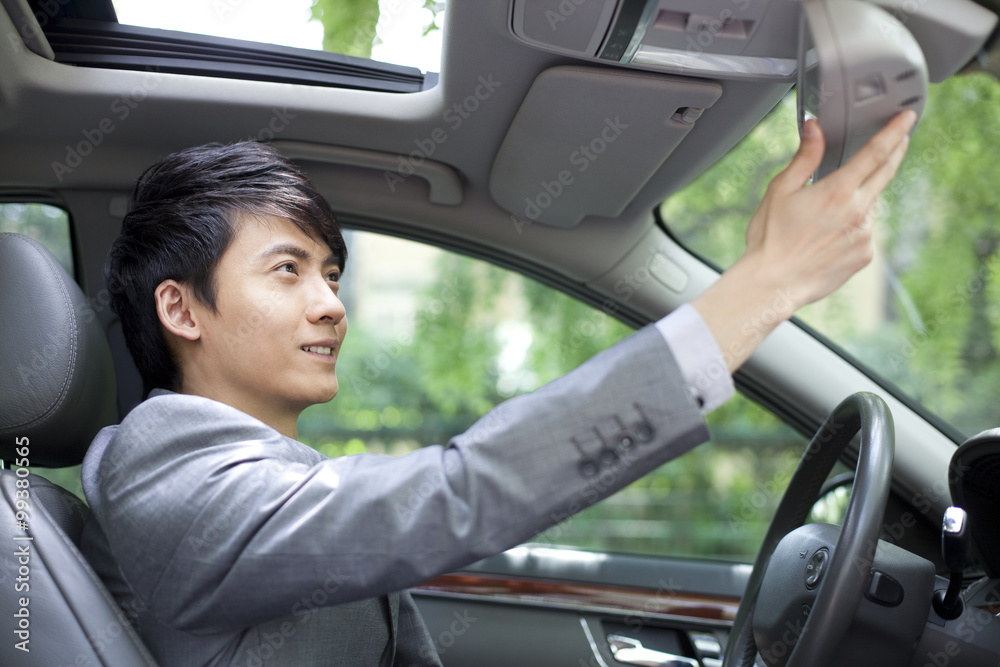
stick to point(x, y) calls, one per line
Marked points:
point(846, 571)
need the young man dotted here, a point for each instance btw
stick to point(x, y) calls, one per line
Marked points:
point(230, 543)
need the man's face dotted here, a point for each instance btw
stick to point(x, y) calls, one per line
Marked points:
point(273, 343)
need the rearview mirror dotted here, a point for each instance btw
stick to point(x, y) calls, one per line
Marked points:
point(858, 67)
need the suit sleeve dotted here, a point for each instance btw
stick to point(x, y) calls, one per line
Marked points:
point(217, 526)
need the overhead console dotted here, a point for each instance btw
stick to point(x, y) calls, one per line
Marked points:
point(732, 38)
point(729, 39)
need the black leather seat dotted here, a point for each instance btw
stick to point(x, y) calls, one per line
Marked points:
point(57, 389)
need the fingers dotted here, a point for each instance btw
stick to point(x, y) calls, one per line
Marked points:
point(806, 161)
point(880, 149)
point(877, 182)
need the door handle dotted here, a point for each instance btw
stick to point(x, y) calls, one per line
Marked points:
point(631, 651)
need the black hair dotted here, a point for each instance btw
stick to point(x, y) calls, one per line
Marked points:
point(180, 222)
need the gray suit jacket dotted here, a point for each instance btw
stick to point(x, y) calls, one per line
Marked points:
point(230, 544)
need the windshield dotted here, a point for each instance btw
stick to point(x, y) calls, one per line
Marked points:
point(925, 314)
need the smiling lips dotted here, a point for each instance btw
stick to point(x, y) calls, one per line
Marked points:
point(318, 349)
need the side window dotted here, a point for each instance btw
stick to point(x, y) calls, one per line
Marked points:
point(46, 224)
point(437, 339)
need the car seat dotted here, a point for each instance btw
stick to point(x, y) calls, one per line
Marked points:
point(57, 389)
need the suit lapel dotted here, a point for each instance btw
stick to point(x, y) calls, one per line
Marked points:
point(390, 607)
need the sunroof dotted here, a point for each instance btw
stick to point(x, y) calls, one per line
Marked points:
point(402, 32)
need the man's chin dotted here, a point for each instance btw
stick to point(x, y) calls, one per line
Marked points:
point(311, 394)
point(325, 395)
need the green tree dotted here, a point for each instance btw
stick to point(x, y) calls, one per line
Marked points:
point(944, 238)
point(351, 26)
point(937, 229)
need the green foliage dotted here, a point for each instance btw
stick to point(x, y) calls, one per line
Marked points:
point(427, 384)
point(565, 332)
point(937, 333)
point(711, 213)
point(348, 25)
point(942, 218)
point(46, 224)
point(351, 26)
point(458, 345)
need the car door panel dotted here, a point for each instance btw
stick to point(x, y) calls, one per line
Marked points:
point(538, 605)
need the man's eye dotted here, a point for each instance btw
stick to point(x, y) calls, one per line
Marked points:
point(287, 267)
point(334, 277)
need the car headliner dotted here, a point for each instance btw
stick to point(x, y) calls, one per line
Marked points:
point(46, 107)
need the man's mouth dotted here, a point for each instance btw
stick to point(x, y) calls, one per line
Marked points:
point(318, 349)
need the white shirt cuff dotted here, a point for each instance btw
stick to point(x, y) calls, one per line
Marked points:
point(698, 356)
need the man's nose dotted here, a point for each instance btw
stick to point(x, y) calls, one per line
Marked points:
point(324, 303)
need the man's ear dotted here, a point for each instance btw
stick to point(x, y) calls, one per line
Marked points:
point(175, 306)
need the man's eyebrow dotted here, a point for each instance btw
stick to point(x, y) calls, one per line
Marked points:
point(296, 252)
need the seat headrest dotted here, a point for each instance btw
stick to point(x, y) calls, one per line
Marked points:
point(57, 380)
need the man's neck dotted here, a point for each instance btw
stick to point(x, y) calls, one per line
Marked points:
point(284, 421)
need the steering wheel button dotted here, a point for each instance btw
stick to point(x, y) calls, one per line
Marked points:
point(884, 590)
point(814, 568)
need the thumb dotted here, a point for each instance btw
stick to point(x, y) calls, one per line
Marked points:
point(806, 161)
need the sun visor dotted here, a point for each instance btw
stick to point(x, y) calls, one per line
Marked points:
point(586, 140)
